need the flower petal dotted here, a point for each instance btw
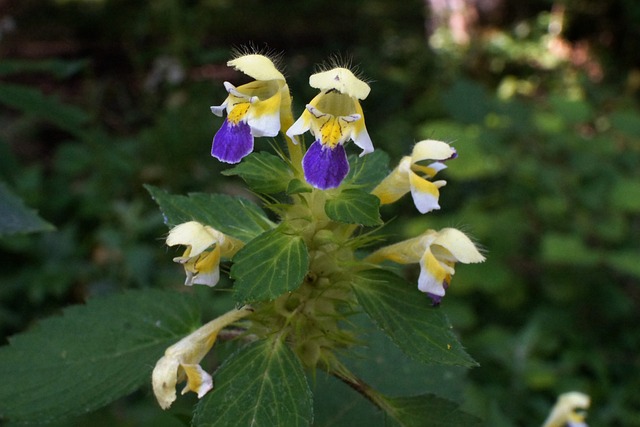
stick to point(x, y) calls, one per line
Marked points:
point(459, 245)
point(325, 167)
point(198, 380)
point(425, 193)
point(302, 125)
point(342, 80)
point(204, 269)
point(219, 109)
point(194, 234)
point(434, 277)
point(164, 379)
point(232, 142)
point(430, 149)
point(362, 139)
point(257, 66)
point(264, 124)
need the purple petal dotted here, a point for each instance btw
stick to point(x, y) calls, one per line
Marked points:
point(437, 299)
point(232, 142)
point(325, 167)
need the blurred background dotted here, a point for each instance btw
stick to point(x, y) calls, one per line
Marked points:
point(540, 98)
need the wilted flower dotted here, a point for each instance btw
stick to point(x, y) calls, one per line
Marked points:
point(253, 109)
point(181, 360)
point(334, 116)
point(412, 176)
point(205, 245)
point(437, 253)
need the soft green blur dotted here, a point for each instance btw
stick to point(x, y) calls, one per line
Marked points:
point(541, 103)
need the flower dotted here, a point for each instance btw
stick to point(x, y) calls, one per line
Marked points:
point(437, 253)
point(253, 109)
point(569, 410)
point(201, 262)
point(334, 116)
point(181, 360)
point(407, 176)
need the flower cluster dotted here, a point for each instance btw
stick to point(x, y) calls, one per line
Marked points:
point(262, 107)
point(315, 248)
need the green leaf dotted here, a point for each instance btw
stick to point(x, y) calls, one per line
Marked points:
point(263, 172)
point(399, 309)
point(33, 102)
point(268, 266)
point(354, 206)
point(16, 218)
point(367, 171)
point(91, 355)
point(338, 405)
point(263, 384)
point(234, 216)
point(428, 411)
point(297, 186)
point(382, 365)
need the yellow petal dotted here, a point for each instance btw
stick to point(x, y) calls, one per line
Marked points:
point(164, 379)
point(433, 274)
point(430, 149)
point(566, 407)
point(179, 359)
point(406, 252)
point(425, 193)
point(302, 125)
point(396, 184)
point(459, 245)
point(257, 66)
point(196, 235)
point(198, 380)
point(342, 80)
point(359, 133)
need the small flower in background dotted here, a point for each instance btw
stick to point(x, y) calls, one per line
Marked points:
point(409, 175)
point(253, 109)
point(437, 253)
point(334, 116)
point(181, 360)
point(201, 265)
point(569, 410)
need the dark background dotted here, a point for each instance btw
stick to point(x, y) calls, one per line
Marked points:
point(540, 99)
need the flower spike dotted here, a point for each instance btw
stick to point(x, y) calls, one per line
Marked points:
point(333, 117)
point(410, 176)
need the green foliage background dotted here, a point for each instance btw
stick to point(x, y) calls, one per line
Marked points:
point(98, 98)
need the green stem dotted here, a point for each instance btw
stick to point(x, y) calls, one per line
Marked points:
point(344, 375)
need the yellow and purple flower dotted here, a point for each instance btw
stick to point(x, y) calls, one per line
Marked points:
point(253, 110)
point(437, 252)
point(412, 176)
point(333, 117)
point(205, 246)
